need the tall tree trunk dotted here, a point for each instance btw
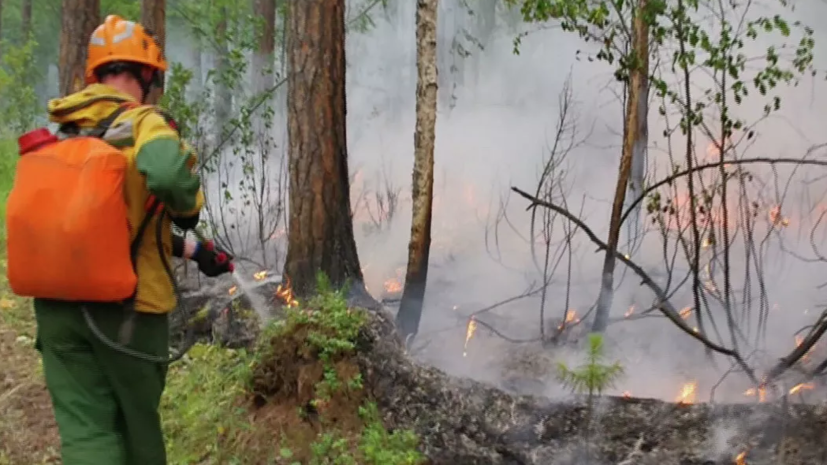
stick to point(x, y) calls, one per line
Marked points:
point(197, 82)
point(634, 140)
point(263, 58)
point(1, 29)
point(320, 230)
point(223, 96)
point(26, 20)
point(419, 248)
point(79, 20)
point(153, 17)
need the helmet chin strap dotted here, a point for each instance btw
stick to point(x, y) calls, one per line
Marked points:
point(146, 84)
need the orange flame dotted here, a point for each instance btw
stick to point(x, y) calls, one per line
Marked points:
point(285, 293)
point(762, 393)
point(393, 286)
point(801, 387)
point(469, 333)
point(571, 318)
point(685, 312)
point(233, 289)
point(741, 459)
point(776, 219)
point(687, 394)
point(800, 340)
point(258, 276)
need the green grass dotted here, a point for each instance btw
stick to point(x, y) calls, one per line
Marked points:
point(201, 407)
point(204, 408)
point(8, 158)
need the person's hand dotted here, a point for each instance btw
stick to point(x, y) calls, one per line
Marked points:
point(212, 261)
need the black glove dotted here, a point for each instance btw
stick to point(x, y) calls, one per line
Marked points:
point(212, 261)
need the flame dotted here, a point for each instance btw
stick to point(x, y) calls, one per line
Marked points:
point(469, 333)
point(571, 317)
point(685, 312)
point(687, 394)
point(762, 393)
point(741, 459)
point(776, 219)
point(392, 286)
point(800, 340)
point(258, 276)
point(801, 387)
point(285, 293)
point(233, 289)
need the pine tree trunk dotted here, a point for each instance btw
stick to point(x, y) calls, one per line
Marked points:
point(320, 228)
point(263, 56)
point(635, 134)
point(79, 20)
point(26, 20)
point(1, 29)
point(416, 277)
point(153, 17)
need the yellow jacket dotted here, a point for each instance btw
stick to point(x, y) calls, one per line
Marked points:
point(159, 164)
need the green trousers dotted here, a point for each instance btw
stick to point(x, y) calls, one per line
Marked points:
point(106, 403)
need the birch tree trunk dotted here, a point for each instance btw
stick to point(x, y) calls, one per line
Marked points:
point(223, 100)
point(416, 277)
point(26, 20)
point(79, 20)
point(153, 17)
point(635, 136)
point(263, 59)
point(320, 236)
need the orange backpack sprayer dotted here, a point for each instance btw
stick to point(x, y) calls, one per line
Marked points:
point(68, 237)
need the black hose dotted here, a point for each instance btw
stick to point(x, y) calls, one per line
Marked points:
point(190, 339)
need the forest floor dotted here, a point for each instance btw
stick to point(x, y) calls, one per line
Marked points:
point(214, 410)
point(28, 433)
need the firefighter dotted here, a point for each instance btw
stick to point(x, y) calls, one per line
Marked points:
point(105, 401)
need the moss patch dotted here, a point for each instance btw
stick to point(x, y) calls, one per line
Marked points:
point(296, 399)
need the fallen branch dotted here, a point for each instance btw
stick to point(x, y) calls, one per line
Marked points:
point(663, 303)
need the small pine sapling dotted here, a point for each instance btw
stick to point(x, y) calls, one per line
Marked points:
point(594, 376)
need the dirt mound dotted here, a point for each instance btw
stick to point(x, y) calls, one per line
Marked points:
point(462, 421)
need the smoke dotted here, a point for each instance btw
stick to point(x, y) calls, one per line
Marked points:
point(494, 130)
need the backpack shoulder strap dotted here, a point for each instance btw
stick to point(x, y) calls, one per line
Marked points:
point(72, 129)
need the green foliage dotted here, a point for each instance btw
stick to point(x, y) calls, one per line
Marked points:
point(331, 328)
point(673, 27)
point(594, 376)
point(201, 404)
point(380, 447)
point(376, 446)
point(8, 160)
point(187, 112)
point(18, 101)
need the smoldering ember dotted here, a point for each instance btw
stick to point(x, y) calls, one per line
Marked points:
point(496, 232)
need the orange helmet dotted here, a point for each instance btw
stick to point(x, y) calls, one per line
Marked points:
point(118, 40)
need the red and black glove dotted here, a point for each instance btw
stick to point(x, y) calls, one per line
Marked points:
point(212, 261)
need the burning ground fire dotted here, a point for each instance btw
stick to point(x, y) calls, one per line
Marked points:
point(284, 292)
point(469, 333)
point(687, 393)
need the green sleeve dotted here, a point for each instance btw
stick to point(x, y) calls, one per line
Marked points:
point(168, 176)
